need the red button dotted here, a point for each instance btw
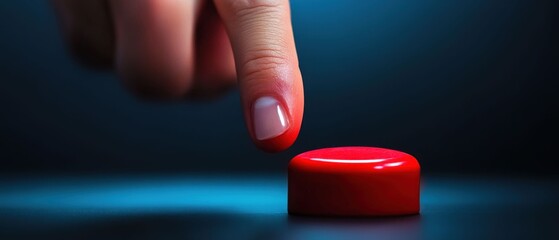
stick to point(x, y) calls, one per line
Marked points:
point(353, 181)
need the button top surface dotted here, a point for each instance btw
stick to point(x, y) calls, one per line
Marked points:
point(352, 159)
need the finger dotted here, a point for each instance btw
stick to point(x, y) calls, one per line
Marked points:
point(155, 46)
point(267, 68)
point(87, 28)
point(215, 66)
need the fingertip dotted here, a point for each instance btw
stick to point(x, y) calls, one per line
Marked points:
point(275, 119)
point(279, 143)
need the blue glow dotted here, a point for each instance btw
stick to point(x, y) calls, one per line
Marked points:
point(240, 207)
point(163, 194)
point(252, 195)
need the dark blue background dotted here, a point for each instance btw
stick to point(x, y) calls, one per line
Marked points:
point(465, 86)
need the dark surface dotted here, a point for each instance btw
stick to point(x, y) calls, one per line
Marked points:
point(465, 86)
point(254, 207)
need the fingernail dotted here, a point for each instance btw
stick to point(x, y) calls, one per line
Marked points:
point(269, 118)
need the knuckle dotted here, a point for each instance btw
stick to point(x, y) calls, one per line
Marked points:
point(153, 84)
point(89, 51)
point(250, 7)
point(263, 63)
point(243, 9)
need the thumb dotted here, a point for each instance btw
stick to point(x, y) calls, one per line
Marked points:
point(267, 67)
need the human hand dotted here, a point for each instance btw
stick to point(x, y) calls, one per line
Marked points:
point(175, 49)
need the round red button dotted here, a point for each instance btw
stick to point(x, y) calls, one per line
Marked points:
point(353, 181)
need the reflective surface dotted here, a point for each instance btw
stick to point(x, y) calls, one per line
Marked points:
point(354, 159)
point(241, 207)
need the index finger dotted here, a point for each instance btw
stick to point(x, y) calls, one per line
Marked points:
point(267, 67)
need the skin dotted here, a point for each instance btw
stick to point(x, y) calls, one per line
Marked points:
point(193, 49)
